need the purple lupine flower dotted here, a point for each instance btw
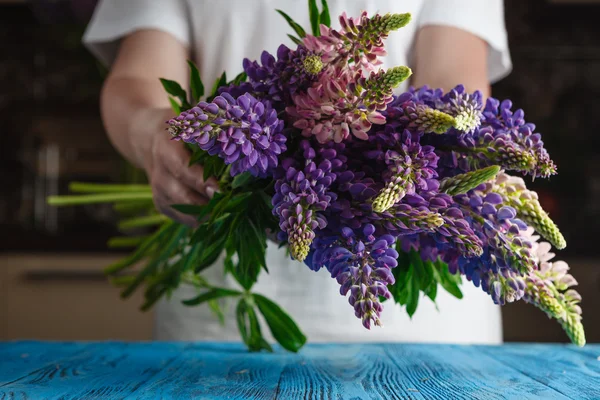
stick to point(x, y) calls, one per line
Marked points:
point(361, 262)
point(512, 127)
point(360, 39)
point(410, 166)
point(466, 108)
point(244, 132)
point(303, 192)
point(278, 79)
point(504, 244)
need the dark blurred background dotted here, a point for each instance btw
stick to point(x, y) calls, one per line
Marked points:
point(51, 260)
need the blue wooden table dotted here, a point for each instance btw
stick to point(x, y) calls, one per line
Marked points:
point(115, 370)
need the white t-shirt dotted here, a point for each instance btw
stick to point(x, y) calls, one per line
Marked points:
point(220, 34)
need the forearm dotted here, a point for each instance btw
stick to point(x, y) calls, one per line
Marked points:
point(133, 103)
point(129, 105)
point(445, 57)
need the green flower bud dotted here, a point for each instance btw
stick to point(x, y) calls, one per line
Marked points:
point(430, 120)
point(464, 182)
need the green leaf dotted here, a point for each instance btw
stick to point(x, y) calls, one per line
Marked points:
point(189, 209)
point(166, 250)
point(175, 89)
point(195, 82)
point(216, 309)
point(412, 301)
point(251, 246)
point(283, 328)
point(241, 180)
point(325, 18)
point(295, 39)
point(213, 166)
point(249, 327)
point(448, 281)
point(431, 291)
point(175, 106)
point(241, 77)
point(297, 28)
point(221, 81)
point(211, 295)
point(237, 201)
point(198, 157)
point(141, 251)
point(313, 12)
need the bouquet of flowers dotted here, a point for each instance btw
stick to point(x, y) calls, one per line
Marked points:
point(393, 194)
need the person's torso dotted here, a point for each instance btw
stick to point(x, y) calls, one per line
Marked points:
point(226, 31)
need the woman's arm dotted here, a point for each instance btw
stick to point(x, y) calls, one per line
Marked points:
point(134, 110)
point(445, 57)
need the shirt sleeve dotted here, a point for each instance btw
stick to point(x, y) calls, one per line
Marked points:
point(115, 19)
point(483, 18)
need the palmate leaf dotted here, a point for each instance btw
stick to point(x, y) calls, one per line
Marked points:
point(195, 83)
point(174, 89)
point(249, 327)
point(313, 13)
point(295, 26)
point(413, 276)
point(212, 294)
point(325, 18)
point(221, 81)
point(282, 326)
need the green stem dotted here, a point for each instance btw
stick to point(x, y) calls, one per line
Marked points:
point(143, 221)
point(83, 187)
point(125, 241)
point(131, 207)
point(61, 201)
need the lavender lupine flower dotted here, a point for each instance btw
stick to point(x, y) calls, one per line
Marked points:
point(404, 219)
point(360, 40)
point(361, 262)
point(379, 86)
point(329, 110)
point(278, 79)
point(528, 207)
point(505, 246)
point(303, 192)
point(466, 108)
point(403, 112)
point(454, 238)
point(245, 132)
point(411, 165)
point(550, 288)
point(484, 148)
point(511, 126)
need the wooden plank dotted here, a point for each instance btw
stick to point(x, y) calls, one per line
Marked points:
point(571, 371)
point(465, 372)
point(227, 371)
point(99, 370)
point(218, 371)
point(18, 359)
point(344, 372)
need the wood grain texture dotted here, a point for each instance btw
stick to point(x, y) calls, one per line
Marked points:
point(156, 370)
point(561, 370)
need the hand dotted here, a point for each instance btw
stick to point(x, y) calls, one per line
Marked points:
point(166, 162)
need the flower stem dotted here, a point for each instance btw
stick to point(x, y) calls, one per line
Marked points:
point(125, 241)
point(61, 201)
point(84, 187)
point(143, 221)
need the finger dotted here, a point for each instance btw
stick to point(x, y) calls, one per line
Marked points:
point(177, 161)
point(171, 192)
point(179, 217)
